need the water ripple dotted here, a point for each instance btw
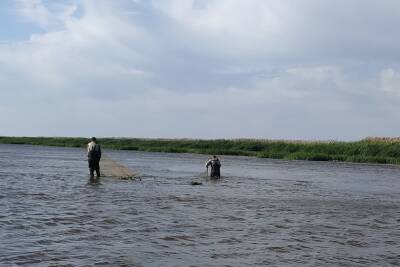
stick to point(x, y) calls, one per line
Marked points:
point(261, 212)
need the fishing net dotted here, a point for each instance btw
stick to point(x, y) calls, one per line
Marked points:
point(111, 168)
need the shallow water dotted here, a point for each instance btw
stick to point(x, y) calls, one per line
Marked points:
point(261, 213)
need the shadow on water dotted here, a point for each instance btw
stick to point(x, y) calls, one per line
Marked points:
point(94, 181)
point(204, 177)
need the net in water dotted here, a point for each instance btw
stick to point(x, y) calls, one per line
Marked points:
point(111, 168)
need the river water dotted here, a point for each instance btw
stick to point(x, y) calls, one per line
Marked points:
point(260, 213)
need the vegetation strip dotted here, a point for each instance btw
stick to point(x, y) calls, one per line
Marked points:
point(370, 150)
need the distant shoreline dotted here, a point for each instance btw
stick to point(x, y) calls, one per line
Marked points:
point(369, 150)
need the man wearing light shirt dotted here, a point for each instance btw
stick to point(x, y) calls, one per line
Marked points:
point(94, 155)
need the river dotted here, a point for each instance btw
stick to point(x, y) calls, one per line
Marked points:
point(261, 212)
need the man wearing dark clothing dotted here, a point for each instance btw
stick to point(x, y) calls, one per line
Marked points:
point(215, 167)
point(94, 156)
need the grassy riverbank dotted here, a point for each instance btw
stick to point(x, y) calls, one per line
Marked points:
point(372, 150)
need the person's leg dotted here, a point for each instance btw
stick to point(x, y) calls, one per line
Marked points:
point(91, 167)
point(217, 172)
point(97, 167)
point(212, 174)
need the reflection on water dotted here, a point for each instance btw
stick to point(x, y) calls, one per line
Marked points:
point(262, 212)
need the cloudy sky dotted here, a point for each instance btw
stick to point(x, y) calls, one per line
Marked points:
point(287, 69)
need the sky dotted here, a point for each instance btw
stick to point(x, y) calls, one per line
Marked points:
point(287, 69)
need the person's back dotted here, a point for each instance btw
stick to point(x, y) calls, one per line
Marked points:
point(94, 156)
point(215, 163)
point(94, 150)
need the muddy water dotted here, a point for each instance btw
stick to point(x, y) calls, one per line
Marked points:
point(261, 213)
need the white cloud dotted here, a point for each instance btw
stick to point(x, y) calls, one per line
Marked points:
point(233, 27)
point(390, 81)
point(180, 68)
point(99, 45)
point(283, 30)
point(34, 11)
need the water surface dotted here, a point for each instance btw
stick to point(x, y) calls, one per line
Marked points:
point(261, 213)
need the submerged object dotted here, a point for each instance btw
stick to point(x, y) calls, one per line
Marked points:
point(196, 183)
point(111, 168)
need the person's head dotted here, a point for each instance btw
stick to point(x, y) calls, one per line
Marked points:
point(93, 139)
point(214, 157)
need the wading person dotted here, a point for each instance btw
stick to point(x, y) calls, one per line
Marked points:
point(215, 167)
point(94, 155)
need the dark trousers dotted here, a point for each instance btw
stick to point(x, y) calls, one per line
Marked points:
point(215, 172)
point(94, 165)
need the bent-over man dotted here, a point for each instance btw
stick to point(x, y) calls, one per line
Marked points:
point(215, 167)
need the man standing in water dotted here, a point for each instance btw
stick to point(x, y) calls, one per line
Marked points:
point(94, 155)
point(215, 167)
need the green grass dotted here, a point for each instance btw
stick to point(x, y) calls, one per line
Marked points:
point(372, 150)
